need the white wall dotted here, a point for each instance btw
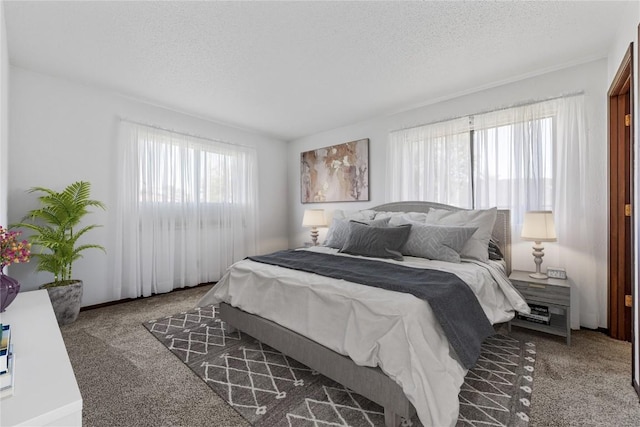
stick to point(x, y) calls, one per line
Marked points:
point(589, 78)
point(4, 118)
point(63, 132)
point(627, 33)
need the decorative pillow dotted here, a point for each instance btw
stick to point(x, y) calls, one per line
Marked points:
point(477, 247)
point(437, 242)
point(339, 231)
point(407, 218)
point(379, 242)
point(361, 215)
point(494, 250)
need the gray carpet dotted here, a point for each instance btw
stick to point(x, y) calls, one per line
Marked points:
point(128, 378)
point(585, 384)
point(269, 389)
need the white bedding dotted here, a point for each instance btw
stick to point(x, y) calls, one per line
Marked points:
point(375, 327)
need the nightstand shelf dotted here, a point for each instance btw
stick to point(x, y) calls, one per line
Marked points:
point(553, 293)
point(557, 325)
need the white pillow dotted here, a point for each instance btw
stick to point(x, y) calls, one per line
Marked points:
point(400, 218)
point(385, 214)
point(361, 215)
point(477, 247)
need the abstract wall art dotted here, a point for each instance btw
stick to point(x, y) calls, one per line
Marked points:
point(339, 173)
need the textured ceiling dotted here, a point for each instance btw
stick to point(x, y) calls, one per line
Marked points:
point(290, 69)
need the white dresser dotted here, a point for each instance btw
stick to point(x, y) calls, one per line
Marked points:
point(45, 389)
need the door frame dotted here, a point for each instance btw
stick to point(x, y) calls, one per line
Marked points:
point(635, 354)
point(620, 256)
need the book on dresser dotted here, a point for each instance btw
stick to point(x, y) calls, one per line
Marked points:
point(5, 341)
point(539, 314)
point(7, 378)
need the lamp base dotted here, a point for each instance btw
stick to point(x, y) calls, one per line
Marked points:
point(538, 253)
point(314, 236)
point(540, 276)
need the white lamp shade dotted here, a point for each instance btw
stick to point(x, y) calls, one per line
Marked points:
point(539, 227)
point(314, 218)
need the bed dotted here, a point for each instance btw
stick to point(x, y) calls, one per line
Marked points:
point(384, 345)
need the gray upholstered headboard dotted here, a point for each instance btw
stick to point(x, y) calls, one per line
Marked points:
point(501, 229)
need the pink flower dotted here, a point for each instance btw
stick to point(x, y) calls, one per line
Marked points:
point(13, 251)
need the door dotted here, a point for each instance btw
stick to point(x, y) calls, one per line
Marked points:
point(621, 263)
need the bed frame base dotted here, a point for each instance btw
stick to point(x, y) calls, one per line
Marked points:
point(369, 382)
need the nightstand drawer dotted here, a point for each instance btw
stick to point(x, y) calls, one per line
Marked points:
point(543, 292)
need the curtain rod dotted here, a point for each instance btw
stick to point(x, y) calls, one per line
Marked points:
point(220, 141)
point(522, 104)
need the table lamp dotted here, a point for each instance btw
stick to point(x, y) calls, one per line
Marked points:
point(538, 227)
point(314, 218)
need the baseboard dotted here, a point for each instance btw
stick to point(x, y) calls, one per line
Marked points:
point(636, 386)
point(124, 300)
point(599, 329)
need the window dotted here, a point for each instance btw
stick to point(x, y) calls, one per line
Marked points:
point(503, 158)
point(185, 171)
point(431, 163)
point(513, 165)
point(186, 209)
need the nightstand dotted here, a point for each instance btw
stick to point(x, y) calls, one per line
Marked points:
point(553, 293)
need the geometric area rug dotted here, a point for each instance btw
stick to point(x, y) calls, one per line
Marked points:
point(269, 389)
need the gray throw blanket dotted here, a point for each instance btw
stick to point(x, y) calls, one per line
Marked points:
point(453, 303)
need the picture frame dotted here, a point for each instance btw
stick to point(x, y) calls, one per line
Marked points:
point(337, 173)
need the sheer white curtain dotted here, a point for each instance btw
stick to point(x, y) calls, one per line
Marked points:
point(536, 157)
point(513, 160)
point(580, 229)
point(186, 209)
point(531, 157)
point(431, 162)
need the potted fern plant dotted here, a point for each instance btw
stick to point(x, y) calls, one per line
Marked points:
point(56, 229)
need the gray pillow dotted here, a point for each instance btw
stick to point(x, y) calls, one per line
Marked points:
point(339, 230)
point(477, 247)
point(379, 242)
point(437, 242)
point(494, 250)
point(361, 215)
